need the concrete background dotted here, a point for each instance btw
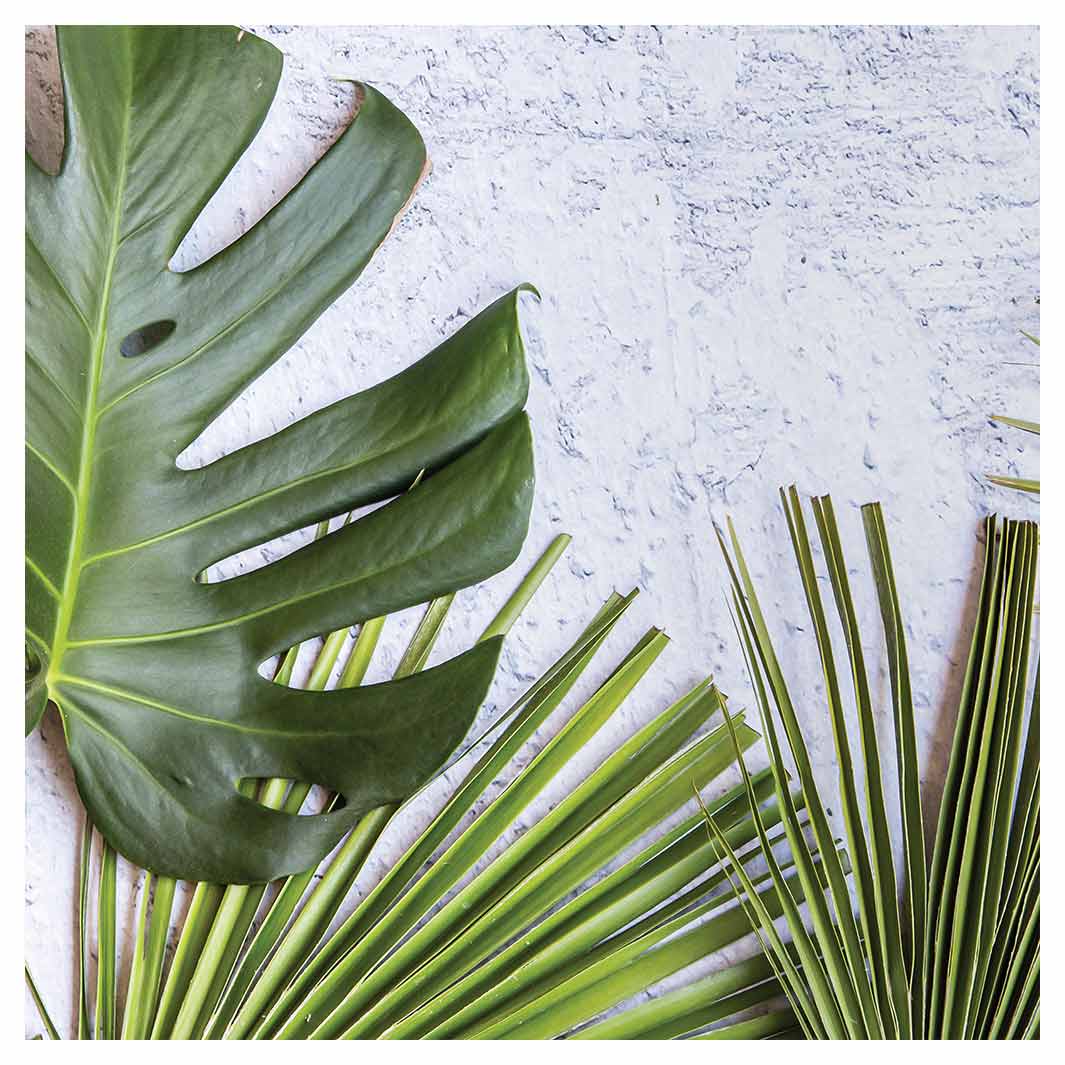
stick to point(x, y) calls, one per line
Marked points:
point(766, 255)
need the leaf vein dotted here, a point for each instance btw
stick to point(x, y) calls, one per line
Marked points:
point(198, 630)
point(200, 719)
point(62, 287)
point(43, 577)
point(47, 374)
point(233, 508)
point(53, 468)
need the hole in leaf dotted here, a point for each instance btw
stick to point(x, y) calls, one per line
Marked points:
point(312, 799)
point(142, 340)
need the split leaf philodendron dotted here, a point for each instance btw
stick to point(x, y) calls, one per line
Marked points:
point(153, 670)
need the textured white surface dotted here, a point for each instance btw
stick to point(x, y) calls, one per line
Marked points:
point(766, 256)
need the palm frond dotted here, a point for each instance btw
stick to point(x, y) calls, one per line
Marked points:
point(955, 954)
point(550, 938)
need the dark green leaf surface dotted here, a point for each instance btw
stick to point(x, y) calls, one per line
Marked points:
point(154, 671)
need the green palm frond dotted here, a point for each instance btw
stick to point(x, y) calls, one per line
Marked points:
point(553, 936)
point(955, 953)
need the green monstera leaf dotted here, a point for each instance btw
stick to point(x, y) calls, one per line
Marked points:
point(153, 670)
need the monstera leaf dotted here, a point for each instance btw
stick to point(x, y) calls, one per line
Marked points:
point(153, 670)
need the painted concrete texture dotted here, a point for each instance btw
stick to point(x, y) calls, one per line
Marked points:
point(767, 256)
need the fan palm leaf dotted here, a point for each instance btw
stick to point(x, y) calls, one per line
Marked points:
point(549, 938)
point(955, 953)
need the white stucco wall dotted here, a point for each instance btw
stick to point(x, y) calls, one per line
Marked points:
point(766, 256)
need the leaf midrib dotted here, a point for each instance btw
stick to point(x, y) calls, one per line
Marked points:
point(83, 484)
